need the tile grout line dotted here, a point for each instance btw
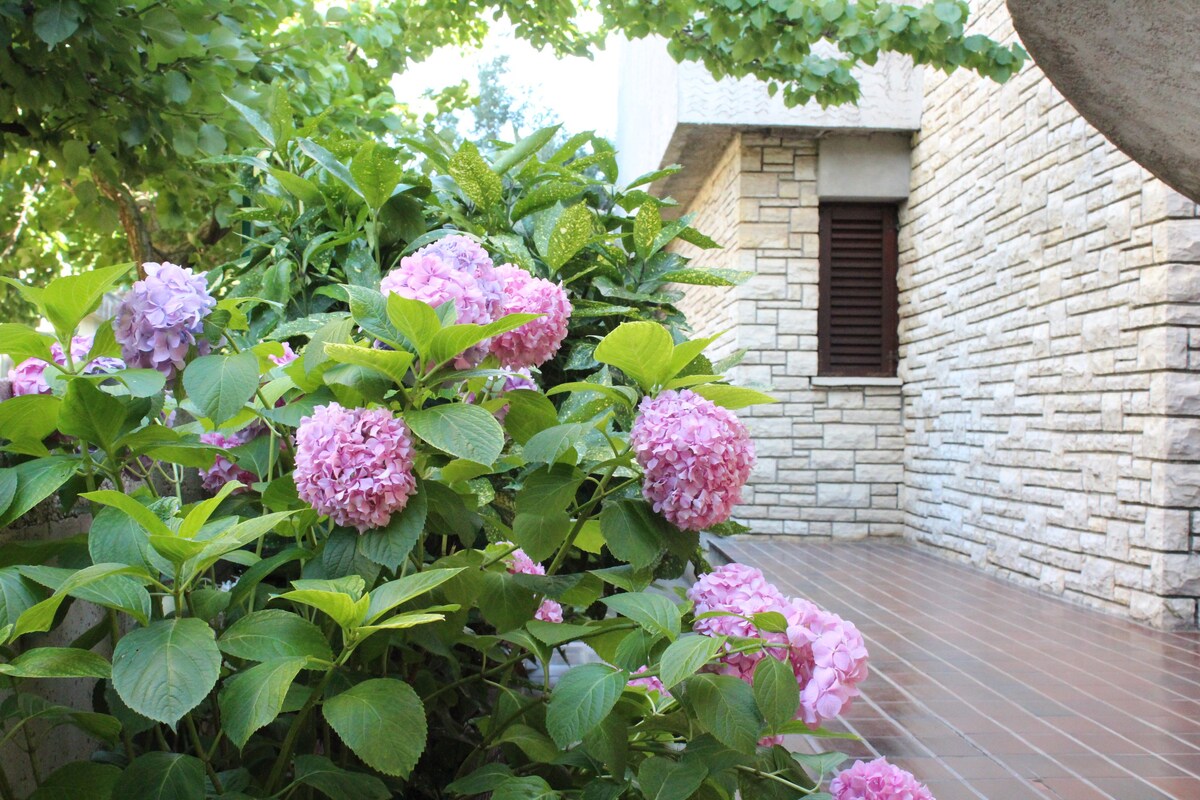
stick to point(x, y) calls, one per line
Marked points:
point(984, 753)
point(1059, 703)
point(995, 585)
point(1007, 625)
point(780, 564)
point(997, 757)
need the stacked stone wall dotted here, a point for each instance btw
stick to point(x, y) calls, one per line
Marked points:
point(1050, 293)
point(829, 456)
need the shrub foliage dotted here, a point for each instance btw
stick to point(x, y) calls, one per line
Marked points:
point(259, 649)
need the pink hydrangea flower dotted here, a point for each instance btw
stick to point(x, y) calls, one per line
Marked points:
point(452, 269)
point(826, 653)
point(519, 563)
point(650, 682)
point(288, 356)
point(161, 316)
point(468, 255)
point(223, 470)
point(538, 340)
point(29, 377)
point(877, 780)
point(356, 465)
point(735, 589)
point(498, 387)
point(549, 611)
point(829, 657)
point(696, 457)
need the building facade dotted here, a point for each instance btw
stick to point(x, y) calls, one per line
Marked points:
point(1042, 417)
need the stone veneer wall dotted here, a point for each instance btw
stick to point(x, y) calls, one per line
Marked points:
point(829, 457)
point(1050, 327)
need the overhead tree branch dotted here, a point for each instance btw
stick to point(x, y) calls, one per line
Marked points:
point(15, 128)
point(136, 230)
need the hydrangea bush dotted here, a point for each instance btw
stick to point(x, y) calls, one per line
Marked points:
point(448, 424)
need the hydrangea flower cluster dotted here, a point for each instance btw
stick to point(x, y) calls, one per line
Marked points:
point(827, 653)
point(877, 780)
point(519, 563)
point(737, 589)
point(161, 316)
point(454, 268)
point(535, 342)
point(498, 387)
point(223, 470)
point(356, 465)
point(696, 457)
point(650, 683)
point(29, 377)
point(829, 657)
point(289, 355)
point(521, 379)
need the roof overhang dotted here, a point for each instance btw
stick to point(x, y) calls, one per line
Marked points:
point(673, 113)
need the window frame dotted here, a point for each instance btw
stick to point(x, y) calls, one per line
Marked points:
point(887, 214)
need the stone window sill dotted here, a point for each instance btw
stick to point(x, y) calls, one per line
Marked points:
point(855, 380)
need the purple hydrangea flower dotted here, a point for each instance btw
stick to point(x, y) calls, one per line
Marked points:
point(877, 780)
point(535, 342)
point(467, 255)
point(498, 387)
point(696, 456)
point(223, 470)
point(356, 465)
point(29, 377)
point(161, 316)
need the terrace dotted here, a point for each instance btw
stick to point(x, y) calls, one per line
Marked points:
point(985, 689)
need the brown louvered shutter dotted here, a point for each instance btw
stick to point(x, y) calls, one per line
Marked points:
point(858, 316)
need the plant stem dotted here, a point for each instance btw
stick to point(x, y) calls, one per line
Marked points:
point(114, 635)
point(6, 791)
point(289, 741)
point(510, 719)
point(772, 776)
point(499, 557)
point(477, 676)
point(89, 472)
point(208, 767)
point(32, 753)
point(287, 443)
point(585, 513)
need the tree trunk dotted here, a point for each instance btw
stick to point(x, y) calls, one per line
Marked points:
point(132, 221)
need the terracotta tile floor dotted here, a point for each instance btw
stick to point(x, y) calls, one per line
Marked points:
point(985, 689)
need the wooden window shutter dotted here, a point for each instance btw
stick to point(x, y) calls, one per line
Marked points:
point(857, 323)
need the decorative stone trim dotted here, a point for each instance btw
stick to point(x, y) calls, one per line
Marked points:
point(856, 380)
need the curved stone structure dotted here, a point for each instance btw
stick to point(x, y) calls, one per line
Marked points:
point(1130, 67)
